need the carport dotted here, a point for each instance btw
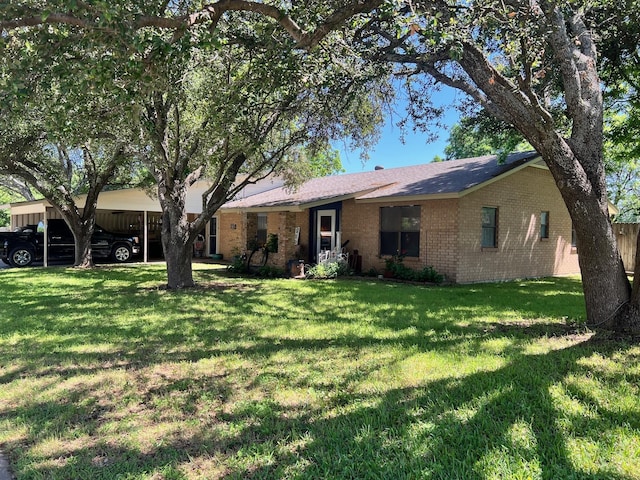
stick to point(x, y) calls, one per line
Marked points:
point(131, 211)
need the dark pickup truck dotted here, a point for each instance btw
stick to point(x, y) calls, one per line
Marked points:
point(22, 247)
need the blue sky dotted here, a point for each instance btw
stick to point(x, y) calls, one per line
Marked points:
point(392, 152)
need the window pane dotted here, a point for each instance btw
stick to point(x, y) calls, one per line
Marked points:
point(544, 224)
point(390, 219)
point(410, 244)
point(261, 234)
point(400, 231)
point(410, 219)
point(488, 237)
point(388, 243)
point(213, 242)
point(488, 217)
point(489, 227)
point(325, 224)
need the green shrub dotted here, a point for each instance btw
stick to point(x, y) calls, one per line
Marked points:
point(272, 243)
point(399, 270)
point(429, 274)
point(238, 264)
point(267, 271)
point(328, 270)
point(372, 272)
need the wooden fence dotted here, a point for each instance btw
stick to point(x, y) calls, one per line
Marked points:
point(627, 235)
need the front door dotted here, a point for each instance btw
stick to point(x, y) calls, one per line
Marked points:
point(326, 230)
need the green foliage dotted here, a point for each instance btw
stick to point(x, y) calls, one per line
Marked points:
point(272, 243)
point(622, 159)
point(230, 95)
point(481, 134)
point(395, 268)
point(372, 272)
point(5, 218)
point(327, 270)
point(308, 162)
point(430, 275)
point(268, 271)
point(238, 264)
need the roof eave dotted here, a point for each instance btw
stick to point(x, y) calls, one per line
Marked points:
point(276, 208)
point(299, 207)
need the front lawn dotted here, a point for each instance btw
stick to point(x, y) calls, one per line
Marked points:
point(103, 375)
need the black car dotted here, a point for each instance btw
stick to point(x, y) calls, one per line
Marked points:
point(26, 245)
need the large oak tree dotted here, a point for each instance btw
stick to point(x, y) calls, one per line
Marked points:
point(217, 90)
point(61, 133)
point(534, 65)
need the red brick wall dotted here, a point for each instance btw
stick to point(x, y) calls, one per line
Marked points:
point(231, 234)
point(438, 236)
point(521, 253)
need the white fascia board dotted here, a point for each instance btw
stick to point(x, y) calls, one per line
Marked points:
point(25, 208)
point(409, 198)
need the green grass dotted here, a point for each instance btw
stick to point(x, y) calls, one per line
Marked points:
point(104, 375)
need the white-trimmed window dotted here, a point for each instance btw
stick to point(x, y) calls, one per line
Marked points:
point(544, 224)
point(489, 227)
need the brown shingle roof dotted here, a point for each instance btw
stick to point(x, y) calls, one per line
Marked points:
point(439, 178)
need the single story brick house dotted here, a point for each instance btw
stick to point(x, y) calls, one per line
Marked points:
point(473, 220)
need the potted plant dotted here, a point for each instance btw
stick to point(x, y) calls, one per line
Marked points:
point(393, 265)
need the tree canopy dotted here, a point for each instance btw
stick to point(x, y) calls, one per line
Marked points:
point(533, 64)
point(227, 90)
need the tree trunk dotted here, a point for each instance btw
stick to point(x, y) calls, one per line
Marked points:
point(82, 231)
point(604, 281)
point(178, 255)
point(628, 318)
point(83, 255)
point(635, 293)
point(177, 242)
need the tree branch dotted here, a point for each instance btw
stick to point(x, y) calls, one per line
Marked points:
point(209, 13)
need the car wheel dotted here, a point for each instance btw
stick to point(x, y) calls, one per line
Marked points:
point(21, 257)
point(121, 253)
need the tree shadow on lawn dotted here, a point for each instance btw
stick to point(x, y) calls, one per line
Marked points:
point(498, 424)
point(488, 424)
point(460, 426)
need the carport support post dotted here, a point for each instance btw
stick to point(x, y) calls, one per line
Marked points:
point(45, 260)
point(145, 231)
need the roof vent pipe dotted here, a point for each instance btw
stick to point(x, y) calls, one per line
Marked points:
point(379, 167)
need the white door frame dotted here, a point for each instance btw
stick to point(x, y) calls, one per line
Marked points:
point(320, 214)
